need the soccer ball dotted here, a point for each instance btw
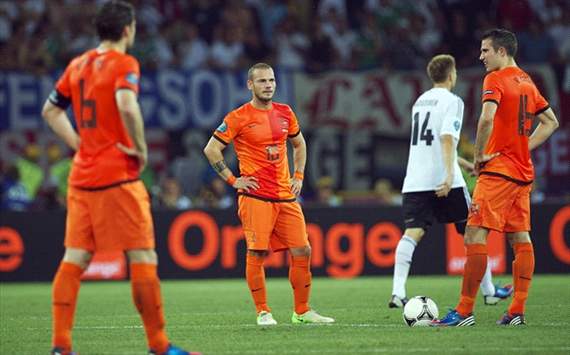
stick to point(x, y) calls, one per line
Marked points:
point(419, 311)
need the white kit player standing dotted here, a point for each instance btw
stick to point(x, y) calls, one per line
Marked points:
point(434, 187)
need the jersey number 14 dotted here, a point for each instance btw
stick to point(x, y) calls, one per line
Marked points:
point(426, 134)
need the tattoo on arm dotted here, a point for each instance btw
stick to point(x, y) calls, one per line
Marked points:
point(219, 166)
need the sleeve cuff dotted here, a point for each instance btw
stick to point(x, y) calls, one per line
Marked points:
point(492, 100)
point(294, 134)
point(542, 110)
point(220, 139)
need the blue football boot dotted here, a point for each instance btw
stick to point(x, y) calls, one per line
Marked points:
point(454, 319)
point(511, 319)
point(173, 350)
point(501, 293)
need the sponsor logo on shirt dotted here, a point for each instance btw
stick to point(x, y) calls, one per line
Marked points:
point(487, 92)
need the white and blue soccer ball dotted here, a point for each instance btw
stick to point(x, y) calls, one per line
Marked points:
point(419, 311)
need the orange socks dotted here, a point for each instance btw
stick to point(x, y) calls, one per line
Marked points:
point(64, 297)
point(145, 287)
point(255, 277)
point(300, 278)
point(523, 269)
point(472, 275)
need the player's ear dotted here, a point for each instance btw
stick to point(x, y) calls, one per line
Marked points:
point(502, 51)
point(249, 84)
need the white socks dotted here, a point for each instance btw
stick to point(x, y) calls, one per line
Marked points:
point(487, 287)
point(404, 252)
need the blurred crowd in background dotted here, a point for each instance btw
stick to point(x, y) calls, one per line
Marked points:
point(41, 36)
point(315, 35)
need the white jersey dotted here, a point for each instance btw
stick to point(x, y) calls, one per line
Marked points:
point(435, 113)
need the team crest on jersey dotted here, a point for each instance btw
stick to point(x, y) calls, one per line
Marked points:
point(456, 125)
point(487, 92)
point(223, 127)
point(132, 78)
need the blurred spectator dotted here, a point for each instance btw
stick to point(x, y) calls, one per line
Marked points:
point(255, 50)
point(15, 197)
point(369, 45)
point(326, 194)
point(215, 194)
point(291, 44)
point(515, 15)
point(338, 7)
point(535, 45)
point(343, 40)
point(205, 15)
point(270, 14)
point(162, 52)
point(386, 194)
point(170, 195)
point(227, 49)
point(321, 54)
point(31, 174)
point(59, 169)
point(402, 52)
point(193, 51)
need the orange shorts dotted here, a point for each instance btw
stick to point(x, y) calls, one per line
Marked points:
point(279, 225)
point(116, 218)
point(500, 204)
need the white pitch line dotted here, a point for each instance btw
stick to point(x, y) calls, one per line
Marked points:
point(229, 326)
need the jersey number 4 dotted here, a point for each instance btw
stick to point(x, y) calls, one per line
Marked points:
point(426, 134)
point(90, 120)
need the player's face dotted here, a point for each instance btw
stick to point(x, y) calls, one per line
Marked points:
point(490, 58)
point(262, 84)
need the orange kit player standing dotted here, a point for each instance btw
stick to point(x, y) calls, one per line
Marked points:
point(108, 206)
point(267, 207)
point(501, 200)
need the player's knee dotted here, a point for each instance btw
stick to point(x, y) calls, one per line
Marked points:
point(302, 251)
point(475, 235)
point(142, 256)
point(415, 233)
point(79, 257)
point(258, 253)
point(519, 237)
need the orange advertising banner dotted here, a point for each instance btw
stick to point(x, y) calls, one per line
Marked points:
point(496, 245)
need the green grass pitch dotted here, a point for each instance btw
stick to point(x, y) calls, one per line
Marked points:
point(217, 317)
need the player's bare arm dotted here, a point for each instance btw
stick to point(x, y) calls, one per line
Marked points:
point(299, 161)
point(484, 128)
point(57, 119)
point(214, 153)
point(546, 126)
point(466, 165)
point(448, 155)
point(130, 112)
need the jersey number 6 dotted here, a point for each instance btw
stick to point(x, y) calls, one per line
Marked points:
point(86, 121)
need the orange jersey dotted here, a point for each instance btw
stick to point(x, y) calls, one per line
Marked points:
point(519, 102)
point(260, 141)
point(89, 83)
